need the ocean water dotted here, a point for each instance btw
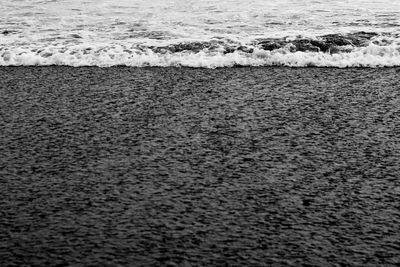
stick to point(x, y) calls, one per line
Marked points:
point(201, 33)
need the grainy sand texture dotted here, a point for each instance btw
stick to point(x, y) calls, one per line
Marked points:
point(198, 167)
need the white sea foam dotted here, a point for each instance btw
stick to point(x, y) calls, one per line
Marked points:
point(81, 55)
point(141, 32)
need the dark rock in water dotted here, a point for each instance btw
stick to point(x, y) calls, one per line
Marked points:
point(364, 35)
point(245, 49)
point(301, 44)
point(327, 43)
point(229, 50)
point(336, 39)
point(304, 45)
point(383, 42)
point(362, 38)
point(195, 47)
point(181, 47)
point(272, 44)
point(353, 39)
point(323, 46)
point(330, 43)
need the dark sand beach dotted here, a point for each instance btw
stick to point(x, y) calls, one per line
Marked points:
point(197, 167)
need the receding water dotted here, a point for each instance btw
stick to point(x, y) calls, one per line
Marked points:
point(74, 32)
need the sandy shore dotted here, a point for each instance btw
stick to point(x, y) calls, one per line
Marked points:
point(190, 167)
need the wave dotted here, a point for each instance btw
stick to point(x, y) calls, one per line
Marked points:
point(361, 49)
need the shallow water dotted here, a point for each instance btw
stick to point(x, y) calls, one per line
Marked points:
point(104, 33)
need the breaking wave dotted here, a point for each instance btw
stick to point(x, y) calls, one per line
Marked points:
point(362, 49)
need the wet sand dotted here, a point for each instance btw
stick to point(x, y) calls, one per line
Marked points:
point(197, 167)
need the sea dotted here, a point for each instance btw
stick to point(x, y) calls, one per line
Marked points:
point(200, 33)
